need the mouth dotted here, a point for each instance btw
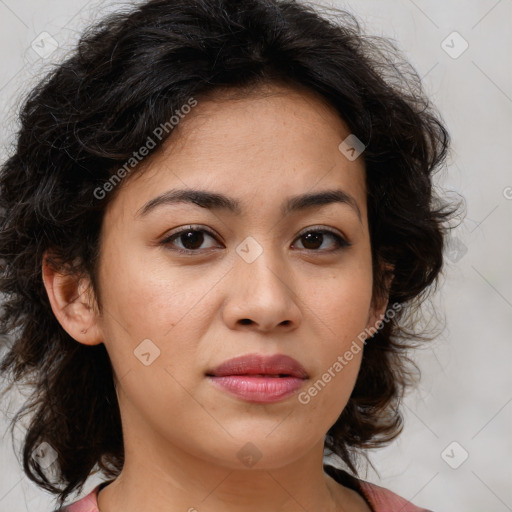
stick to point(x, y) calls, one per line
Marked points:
point(259, 379)
point(255, 365)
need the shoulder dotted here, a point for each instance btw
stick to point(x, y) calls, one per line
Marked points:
point(379, 498)
point(88, 503)
point(385, 500)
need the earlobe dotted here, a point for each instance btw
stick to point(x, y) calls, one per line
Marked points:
point(73, 303)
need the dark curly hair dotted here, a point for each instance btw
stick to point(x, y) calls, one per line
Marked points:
point(128, 75)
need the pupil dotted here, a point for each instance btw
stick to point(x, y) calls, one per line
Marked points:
point(194, 238)
point(312, 237)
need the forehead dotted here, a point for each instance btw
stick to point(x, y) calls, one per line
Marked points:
point(256, 115)
point(272, 141)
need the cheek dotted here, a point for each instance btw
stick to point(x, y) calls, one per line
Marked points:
point(342, 306)
point(141, 308)
point(149, 324)
point(149, 297)
point(338, 356)
point(344, 301)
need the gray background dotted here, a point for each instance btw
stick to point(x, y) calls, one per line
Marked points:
point(466, 392)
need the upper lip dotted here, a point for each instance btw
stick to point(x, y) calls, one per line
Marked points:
point(256, 364)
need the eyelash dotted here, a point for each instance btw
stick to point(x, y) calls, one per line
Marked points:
point(341, 242)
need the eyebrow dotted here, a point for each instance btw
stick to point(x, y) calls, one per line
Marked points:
point(216, 201)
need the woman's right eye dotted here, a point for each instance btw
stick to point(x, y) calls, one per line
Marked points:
point(190, 238)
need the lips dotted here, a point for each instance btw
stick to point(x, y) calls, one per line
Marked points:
point(276, 366)
point(259, 379)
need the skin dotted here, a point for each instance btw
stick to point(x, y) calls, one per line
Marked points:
point(182, 434)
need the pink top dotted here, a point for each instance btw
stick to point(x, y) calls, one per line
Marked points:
point(377, 498)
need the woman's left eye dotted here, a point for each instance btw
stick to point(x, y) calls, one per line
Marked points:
point(191, 240)
point(315, 237)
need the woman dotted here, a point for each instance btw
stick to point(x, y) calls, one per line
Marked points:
point(217, 221)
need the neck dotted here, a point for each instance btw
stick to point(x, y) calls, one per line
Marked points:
point(182, 482)
point(162, 474)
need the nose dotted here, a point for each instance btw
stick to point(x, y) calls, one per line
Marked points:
point(261, 296)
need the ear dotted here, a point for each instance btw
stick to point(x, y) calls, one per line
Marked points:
point(73, 303)
point(379, 304)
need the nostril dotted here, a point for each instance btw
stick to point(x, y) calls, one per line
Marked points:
point(245, 321)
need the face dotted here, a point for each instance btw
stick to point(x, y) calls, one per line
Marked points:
point(187, 285)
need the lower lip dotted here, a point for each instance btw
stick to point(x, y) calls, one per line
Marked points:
point(259, 389)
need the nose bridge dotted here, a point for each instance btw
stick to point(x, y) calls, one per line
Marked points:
point(262, 293)
point(259, 264)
